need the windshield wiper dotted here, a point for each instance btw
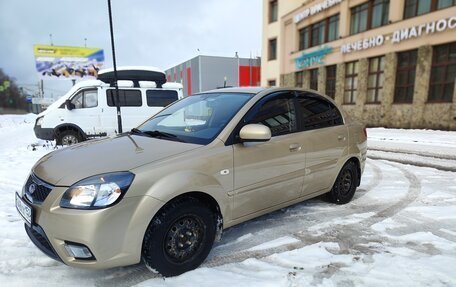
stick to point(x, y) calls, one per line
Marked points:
point(156, 134)
point(136, 131)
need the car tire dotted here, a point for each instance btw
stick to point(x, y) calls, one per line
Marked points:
point(69, 137)
point(345, 186)
point(179, 237)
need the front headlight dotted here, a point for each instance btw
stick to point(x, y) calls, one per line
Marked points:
point(39, 121)
point(98, 191)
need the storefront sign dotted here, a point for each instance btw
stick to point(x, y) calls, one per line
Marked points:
point(400, 35)
point(311, 59)
point(317, 8)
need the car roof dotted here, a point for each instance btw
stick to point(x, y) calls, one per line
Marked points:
point(257, 90)
point(250, 90)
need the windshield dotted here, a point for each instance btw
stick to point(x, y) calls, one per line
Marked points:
point(196, 119)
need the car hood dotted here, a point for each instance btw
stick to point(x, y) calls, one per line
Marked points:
point(121, 153)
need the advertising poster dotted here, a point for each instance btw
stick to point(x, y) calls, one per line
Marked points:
point(63, 62)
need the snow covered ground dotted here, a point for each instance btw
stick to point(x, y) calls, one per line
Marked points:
point(400, 230)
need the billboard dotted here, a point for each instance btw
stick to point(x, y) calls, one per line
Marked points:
point(63, 62)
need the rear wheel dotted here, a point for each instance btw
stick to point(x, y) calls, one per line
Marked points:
point(179, 237)
point(345, 186)
point(69, 137)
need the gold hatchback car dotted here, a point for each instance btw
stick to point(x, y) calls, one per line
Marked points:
point(163, 192)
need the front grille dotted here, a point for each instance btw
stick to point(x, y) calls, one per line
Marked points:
point(38, 192)
point(38, 237)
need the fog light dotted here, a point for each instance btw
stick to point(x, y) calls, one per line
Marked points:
point(78, 251)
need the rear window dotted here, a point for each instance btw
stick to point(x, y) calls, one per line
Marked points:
point(127, 98)
point(160, 98)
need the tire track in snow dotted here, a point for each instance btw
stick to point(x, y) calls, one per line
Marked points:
point(377, 178)
point(352, 238)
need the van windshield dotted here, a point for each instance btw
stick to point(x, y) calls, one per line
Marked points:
point(196, 119)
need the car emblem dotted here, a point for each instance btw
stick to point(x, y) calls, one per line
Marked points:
point(32, 188)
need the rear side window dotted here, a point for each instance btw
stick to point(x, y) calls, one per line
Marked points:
point(127, 98)
point(160, 98)
point(317, 113)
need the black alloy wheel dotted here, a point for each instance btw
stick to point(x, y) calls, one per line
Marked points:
point(345, 186)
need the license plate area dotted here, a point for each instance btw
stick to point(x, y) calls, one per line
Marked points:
point(24, 209)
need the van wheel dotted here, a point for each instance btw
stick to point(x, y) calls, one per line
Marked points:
point(69, 137)
point(345, 185)
point(179, 237)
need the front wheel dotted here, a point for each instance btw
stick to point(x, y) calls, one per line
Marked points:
point(179, 237)
point(68, 137)
point(345, 185)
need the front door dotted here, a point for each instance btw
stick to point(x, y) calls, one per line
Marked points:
point(86, 112)
point(270, 173)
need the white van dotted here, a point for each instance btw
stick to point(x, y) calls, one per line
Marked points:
point(89, 110)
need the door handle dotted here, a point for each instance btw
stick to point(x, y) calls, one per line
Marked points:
point(295, 147)
point(341, 138)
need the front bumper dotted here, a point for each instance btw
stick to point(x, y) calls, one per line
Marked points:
point(44, 133)
point(114, 235)
point(39, 238)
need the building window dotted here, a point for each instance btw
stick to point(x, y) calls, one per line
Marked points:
point(351, 82)
point(304, 38)
point(415, 8)
point(272, 48)
point(333, 28)
point(405, 77)
point(443, 73)
point(273, 10)
point(319, 33)
point(272, 83)
point(299, 79)
point(369, 15)
point(375, 79)
point(314, 79)
point(331, 72)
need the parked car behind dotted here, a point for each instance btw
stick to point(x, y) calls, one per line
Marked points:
point(89, 109)
point(164, 192)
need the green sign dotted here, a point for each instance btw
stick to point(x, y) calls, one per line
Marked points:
point(312, 58)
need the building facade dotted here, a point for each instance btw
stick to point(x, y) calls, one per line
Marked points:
point(204, 73)
point(388, 63)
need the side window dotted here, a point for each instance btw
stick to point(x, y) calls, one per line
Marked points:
point(90, 99)
point(317, 113)
point(160, 98)
point(78, 100)
point(278, 113)
point(127, 98)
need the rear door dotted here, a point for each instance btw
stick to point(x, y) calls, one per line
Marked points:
point(269, 173)
point(325, 140)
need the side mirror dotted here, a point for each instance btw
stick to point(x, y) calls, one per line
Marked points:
point(69, 105)
point(255, 133)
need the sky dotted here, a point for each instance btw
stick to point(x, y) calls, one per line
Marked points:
point(147, 32)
